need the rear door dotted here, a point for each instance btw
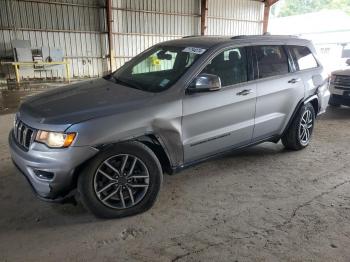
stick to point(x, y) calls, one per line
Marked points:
point(309, 68)
point(218, 120)
point(279, 89)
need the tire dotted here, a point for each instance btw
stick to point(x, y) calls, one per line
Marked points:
point(104, 184)
point(295, 138)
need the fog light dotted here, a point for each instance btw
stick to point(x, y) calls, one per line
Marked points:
point(43, 174)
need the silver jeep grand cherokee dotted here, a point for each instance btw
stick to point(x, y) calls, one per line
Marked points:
point(177, 103)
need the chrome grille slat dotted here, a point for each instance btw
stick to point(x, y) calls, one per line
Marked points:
point(23, 134)
point(31, 137)
point(342, 82)
point(21, 131)
point(15, 130)
point(18, 130)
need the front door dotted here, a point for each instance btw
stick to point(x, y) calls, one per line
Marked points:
point(218, 120)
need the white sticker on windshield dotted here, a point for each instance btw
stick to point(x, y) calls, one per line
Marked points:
point(194, 50)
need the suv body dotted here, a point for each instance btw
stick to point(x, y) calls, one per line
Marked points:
point(340, 87)
point(227, 93)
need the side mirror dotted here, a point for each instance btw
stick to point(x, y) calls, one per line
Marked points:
point(205, 83)
point(348, 62)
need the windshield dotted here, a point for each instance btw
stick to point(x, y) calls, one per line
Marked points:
point(158, 68)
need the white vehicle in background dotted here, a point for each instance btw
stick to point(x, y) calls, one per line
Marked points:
point(340, 87)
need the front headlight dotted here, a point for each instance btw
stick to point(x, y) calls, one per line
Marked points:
point(55, 139)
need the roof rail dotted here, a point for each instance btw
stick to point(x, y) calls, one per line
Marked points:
point(239, 37)
point(264, 35)
point(189, 36)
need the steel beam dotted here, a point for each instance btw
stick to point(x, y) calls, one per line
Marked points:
point(53, 30)
point(267, 8)
point(153, 12)
point(61, 3)
point(111, 52)
point(204, 15)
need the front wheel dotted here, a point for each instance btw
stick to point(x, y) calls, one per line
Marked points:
point(299, 133)
point(121, 181)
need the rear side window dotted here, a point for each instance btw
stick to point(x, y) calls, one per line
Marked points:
point(271, 61)
point(303, 58)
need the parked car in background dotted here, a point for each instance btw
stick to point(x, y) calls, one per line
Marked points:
point(340, 87)
point(174, 105)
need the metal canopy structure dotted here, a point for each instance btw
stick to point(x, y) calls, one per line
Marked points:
point(100, 35)
point(267, 7)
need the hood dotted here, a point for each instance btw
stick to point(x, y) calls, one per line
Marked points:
point(342, 72)
point(81, 102)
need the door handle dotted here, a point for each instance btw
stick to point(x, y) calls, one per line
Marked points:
point(244, 92)
point(294, 80)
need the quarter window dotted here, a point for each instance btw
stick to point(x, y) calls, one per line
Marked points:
point(230, 66)
point(303, 57)
point(272, 61)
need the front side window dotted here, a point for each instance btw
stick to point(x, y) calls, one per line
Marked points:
point(230, 66)
point(271, 60)
point(303, 57)
point(158, 68)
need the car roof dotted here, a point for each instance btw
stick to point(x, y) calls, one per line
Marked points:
point(210, 41)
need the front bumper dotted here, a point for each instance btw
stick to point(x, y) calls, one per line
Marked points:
point(61, 163)
point(340, 100)
point(340, 96)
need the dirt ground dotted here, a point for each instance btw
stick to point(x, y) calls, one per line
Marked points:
point(260, 204)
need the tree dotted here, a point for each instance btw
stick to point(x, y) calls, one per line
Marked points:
point(297, 7)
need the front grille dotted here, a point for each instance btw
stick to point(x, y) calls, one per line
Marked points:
point(23, 134)
point(342, 82)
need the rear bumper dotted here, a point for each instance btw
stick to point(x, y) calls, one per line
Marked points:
point(61, 163)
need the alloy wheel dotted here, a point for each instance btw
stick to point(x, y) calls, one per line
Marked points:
point(305, 128)
point(121, 181)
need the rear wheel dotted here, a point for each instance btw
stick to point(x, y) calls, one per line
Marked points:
point(299, 133)
point(121, 181)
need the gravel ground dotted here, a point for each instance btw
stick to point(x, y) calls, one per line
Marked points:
point(260, 204)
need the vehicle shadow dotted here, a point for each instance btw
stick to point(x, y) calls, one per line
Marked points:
point(24, 212)
point(336, 113)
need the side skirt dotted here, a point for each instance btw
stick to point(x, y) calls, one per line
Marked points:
point(177, 169)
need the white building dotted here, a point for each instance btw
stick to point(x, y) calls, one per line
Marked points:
point(328, 29)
